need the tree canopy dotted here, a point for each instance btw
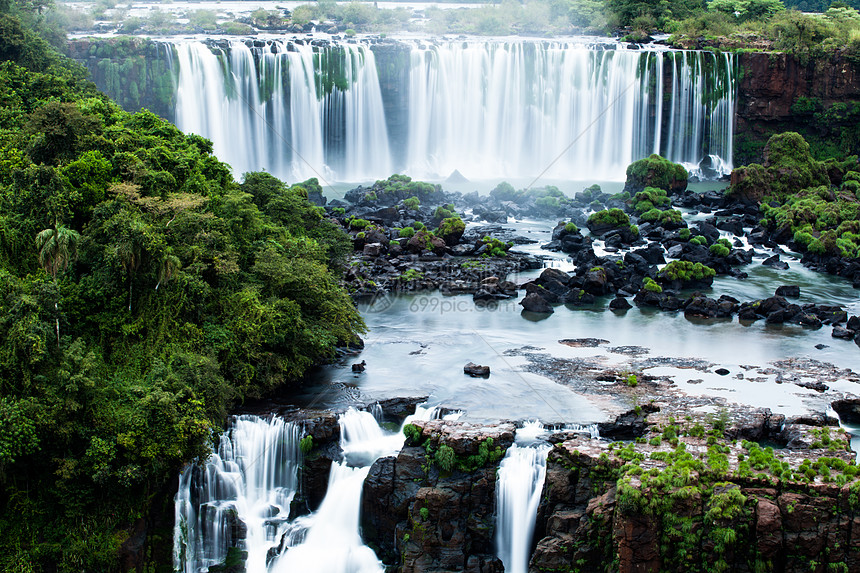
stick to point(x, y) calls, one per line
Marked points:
point(142, 291)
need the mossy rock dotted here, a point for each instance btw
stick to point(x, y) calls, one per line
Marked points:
point(607, 219)
point(684, 274)
point(788, 167)
point(658, 172)
point(451, 230)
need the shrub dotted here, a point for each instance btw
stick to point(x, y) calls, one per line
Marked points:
point(495, 247)
point(720, 250)
point(412, 203)
point(650, 285)
point(612, 217)
point(406, 232)
point(571, 228)
point(686, 271)
point(445, 458)
point(306, 444)
point(451, 229)
point(655, 172)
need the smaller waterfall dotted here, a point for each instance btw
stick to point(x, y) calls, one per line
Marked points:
point(518, 489)
point(241, 497)
point(328, 540)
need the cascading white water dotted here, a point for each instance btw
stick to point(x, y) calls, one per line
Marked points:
point(328, 540)
point(488, 109)
point(518, 489)
point(248, 483)
point(272, 111)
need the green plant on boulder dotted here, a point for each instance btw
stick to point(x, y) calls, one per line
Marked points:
point(655, 171)
point(650, 198)
point(722, 248)
point(445, 458)
point(451, 230)
point(651, 285)
point(412, 203)
point(608, 218)
point(494, 247)
point(306, 444)
point(686, 271)
point(788, 168)
point(669, 218)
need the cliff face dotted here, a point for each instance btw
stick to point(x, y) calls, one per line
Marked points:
point(678, 500)
point(772, 83)
point(777, 92)
point(421, 517)
point(753, 524)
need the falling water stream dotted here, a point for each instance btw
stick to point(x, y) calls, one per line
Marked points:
point(486, 108)
point(240, 497)
point(518, 489)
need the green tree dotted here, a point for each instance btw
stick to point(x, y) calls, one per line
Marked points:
point(57, 248)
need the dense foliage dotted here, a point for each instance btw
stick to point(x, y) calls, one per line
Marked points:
point(143, 291)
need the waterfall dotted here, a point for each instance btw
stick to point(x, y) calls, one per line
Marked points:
point(518, 489)
point(328, 540)
point(489, 109)
point(239, 498)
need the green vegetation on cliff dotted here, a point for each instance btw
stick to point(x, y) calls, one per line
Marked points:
point(143, 291)
point(814, 203)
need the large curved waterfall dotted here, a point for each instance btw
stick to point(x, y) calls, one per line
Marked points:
point(488, 109)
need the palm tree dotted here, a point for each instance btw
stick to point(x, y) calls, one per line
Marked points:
point(57, 248)
point(169, 266)
point(129, 251)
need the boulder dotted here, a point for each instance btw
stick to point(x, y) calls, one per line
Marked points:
point(476, 370)
point(775, 263)
point(788, 291)
point(535, 303)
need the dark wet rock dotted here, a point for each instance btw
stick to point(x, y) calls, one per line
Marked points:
point(476, 370)
point(629, 425)
point(848, 410)
point(648, 298)
point(775, 263)
point(578, 297)
point(620, 303)
point(776, 317)
point(596, 282)
point(551, 274)
point(421, 518)
point(722, 371)
point(808, 320)
point(535, 303)
point(549, 296)
point(399, 408)
point(821, 346)
point(359, 367)
point(788, 291)
point(583, 342)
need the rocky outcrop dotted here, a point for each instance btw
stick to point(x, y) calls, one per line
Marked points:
point(423, 511)
point(778, 92)
point(591, 518)
point(689, 495)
